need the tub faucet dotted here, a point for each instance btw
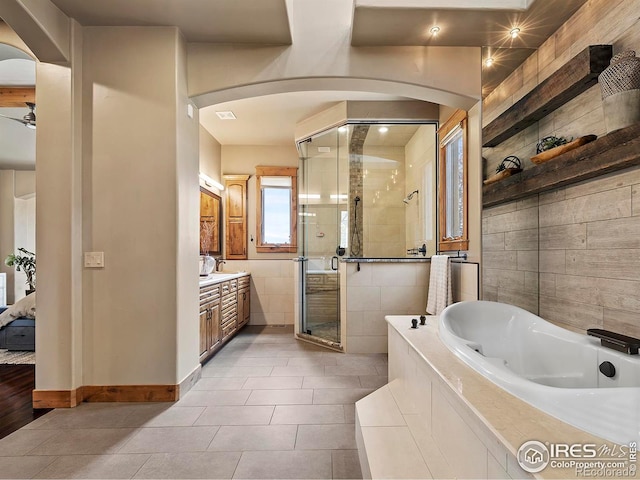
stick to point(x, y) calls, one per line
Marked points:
point(616, 341)
point(219, 261)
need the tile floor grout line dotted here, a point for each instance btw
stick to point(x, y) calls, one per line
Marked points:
point(141, 466)
point(295, 443)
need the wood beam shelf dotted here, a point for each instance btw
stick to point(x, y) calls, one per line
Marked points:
point(573, 78)
point(618, 150)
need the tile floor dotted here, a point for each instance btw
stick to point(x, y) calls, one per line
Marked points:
point(267, 407)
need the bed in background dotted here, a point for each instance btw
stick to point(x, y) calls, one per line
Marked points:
point(18, 325)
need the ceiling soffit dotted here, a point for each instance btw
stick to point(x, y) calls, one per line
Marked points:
point(219, 21)
point(401, 26)
point(383, 22)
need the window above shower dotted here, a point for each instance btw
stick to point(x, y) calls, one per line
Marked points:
point(370, 189)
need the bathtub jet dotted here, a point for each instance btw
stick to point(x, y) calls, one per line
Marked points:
point(565, 374)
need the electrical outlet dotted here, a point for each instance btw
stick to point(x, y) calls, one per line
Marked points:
point(94, 259)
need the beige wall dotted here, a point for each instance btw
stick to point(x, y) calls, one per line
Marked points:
point(210, 158)
point(7, 212)
point(187, 225)
point(583, 238)
point(136, 209)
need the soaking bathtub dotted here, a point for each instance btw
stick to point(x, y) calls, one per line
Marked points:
point(552, 369)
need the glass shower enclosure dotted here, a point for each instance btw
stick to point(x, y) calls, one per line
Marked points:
point(322, 226)
point(366, 190)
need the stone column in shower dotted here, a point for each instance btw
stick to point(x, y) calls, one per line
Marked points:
point(356, 147)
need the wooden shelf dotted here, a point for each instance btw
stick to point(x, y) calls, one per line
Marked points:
point(573, 78)
point(617, 150)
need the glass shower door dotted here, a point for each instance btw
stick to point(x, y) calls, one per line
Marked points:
point(323, 217)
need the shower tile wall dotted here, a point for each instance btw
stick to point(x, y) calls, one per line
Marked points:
point(420, 174)
point(384, 215)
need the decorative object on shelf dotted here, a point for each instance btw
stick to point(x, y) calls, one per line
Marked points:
point(508, 166)
point(620, 86)
point(547, 143)
point(25, 262)
point(563, 146)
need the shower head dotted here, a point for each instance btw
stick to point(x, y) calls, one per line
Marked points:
point(409, 197)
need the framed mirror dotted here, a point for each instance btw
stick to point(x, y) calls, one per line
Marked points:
point(210, 223)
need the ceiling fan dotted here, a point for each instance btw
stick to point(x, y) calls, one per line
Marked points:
point(29, 120)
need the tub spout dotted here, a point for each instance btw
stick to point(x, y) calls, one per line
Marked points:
point(616, 341)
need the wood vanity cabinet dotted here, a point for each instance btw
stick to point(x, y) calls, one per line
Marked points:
point(236, 217)
point(224, 309)
point(229, 305)
point(244, 301)
point(209, 320)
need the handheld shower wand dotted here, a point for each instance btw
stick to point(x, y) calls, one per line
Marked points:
point(409, 197)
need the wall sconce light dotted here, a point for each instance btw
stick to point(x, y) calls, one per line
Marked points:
point(210, 182)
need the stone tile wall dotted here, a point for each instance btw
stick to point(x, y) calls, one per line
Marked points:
point(587, 246)
point(588, 258)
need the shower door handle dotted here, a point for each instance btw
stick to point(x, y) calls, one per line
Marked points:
point(336, 263)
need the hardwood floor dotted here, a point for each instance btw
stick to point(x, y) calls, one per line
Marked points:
point(16, 384)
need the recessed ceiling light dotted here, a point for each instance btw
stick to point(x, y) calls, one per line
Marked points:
point(514, 32)
point(434, 30)
point(488, 62)
point(228, 115)
point(383, 129)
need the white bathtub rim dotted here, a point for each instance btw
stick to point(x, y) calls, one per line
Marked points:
point(598, 405)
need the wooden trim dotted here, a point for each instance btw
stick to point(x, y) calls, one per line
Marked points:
point(618, 150)
point(453, 245)
point(219, 219)
point(453, 121)
point(130, 393)
point(17, 97)
point(104, 393)
point(56, 398)
point(459, 117)
point(262, 170)
point(277, 249)
point(569, 81)
point(291, 172)
point(236, 177)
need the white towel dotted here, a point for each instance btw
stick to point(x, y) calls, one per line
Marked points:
point(440, 294)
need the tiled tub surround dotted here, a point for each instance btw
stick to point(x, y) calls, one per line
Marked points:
point(390, 287)
point(437, 418)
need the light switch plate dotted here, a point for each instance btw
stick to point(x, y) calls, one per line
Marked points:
point(94, 259)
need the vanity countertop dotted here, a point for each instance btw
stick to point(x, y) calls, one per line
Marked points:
point(219, 277)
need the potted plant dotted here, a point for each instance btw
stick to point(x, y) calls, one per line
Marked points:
point(25, 262)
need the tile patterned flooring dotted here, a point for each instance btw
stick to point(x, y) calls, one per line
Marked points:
point(267, 407)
